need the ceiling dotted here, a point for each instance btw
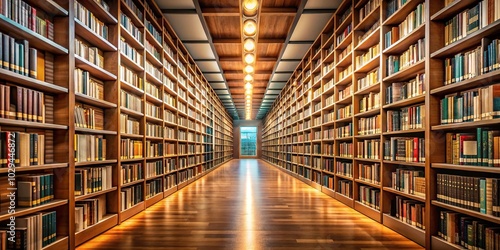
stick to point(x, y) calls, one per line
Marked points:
point(211, 31)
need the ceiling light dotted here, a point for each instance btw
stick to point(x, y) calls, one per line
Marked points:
point(248, 86)
point(248, 91)
point(249, 69)
point(249, 97)
point(249, 78)
point(249, 27)
point(250, 7)
point(249, 58)
point(249, 44)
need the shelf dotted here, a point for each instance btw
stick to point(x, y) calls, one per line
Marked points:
point(411, 196)
point(35, 168)
point(128, 184)
point(129, 13)
point(408, 73)
point(479, 215)
point(400, 15)
point(93, 38)
point(368, 113)
point(341, 27)
point(95, 131)
point(441, 244)
point(472, 39)
point(478, 81)
point(405, 102)
point(131, 112)
point(451, 9)
point(135, 209)
point(91, 163)
point(369, 19)
point(83, 197)
point(130, 39)
point(125, 60)
point(404, 132)
point(60, 243)
point(367, 183)
point(367, 160)
point(368, 89)
point(466, 125)
point(134, 136)
point(93, 101)
point(132, 160)
point(404, 43)
point(368, 136)
point(368, 211)
point(369, 66)
point(155, 199)
point(22, 211)
point(97, 10)
point(93, 69)
point(344, 43)
point(344, 199)
point(407, 230)
point(39, 125)
point(413, 164)
point(468, 168)
point(48, 6)
point(35, 40)
point(29, 82)
point(344, 62)
point(108, 221)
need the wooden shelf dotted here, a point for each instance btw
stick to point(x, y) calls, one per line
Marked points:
point(93, 101)
point(405, 102)
point(92, 37)
point(472, 39)
point(22, 211)
point(451, 9)
point(35, 40)
point(369, 19)
point(404, 132)
point(467, 168)
point(29, 82)
point(98, 11)
point(83, 197)
point(368, 211)
point(400, 15)
point(135, 209)
point(132, 183)
point(35, 168)
point(409, 231)
point(155, 199)
point(441, 244)
point(478, 81)
point(130, 63)
point(93, 69)
point(39, 125)
point(481, 216)
point(466, 125)
point(413, 164)
point(49, 6)
point(411, 196)
point(108, 221)
point(91, 163)
point(62, 242)
point(129, 13)
point(367, 183)
point(405, 42)
point(95, 131)
point(408, 73)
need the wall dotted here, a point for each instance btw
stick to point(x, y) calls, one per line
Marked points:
point(236, 136)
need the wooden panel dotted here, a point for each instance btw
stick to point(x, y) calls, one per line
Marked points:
point(232, 65)
point(275, 26)
point(281, 3)
point(218, 4)
point(269, 50)
point(225, 27)
point(228, 50)
point(264, 65)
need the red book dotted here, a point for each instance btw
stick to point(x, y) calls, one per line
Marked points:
point(415, 149)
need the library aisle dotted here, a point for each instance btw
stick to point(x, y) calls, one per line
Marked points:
point(248, 204)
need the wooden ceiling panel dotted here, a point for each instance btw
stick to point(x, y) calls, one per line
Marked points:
point(242, 91)
point(280, 3)
point(271, 27)
point(240, 84)
point(224, 27)
point(234, 76)
point(228, 65)
point(264, 77)
point(228, 50)
point(264, 65)
point(218, 4)
point(268, 50)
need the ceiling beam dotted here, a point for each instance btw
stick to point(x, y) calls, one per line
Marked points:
point(238, 59)
point(221, 11)
point(241, 72)
point(279, 11)
point(238, 41)
point(179, 11)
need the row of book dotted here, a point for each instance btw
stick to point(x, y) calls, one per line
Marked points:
point(129, 125)
point(130, 77)
point(345, 188)
point(155, 130)
point(468, 232)
point(131, 196)
point(19, 149)
point(154, 168)
point(26, 15)
point(343, 168)
point(371, 78)
point(85, 84)
point(369, 102)
point(408, 25)
point(89, 212)
point(407, 149)
point(407, 118)
point(156, 35)
point(470, 20)
point(367, 8)
point(475, 149)
point(415, 53)
point(369, 172)
point(131, 52)
point(87, 116)
point(370, 53)
point(92, 54)
point(17, 56)
point(473, 193)
point(409, 181)
point(90, 20)
point(408, 211)
point(91, 180)
point(368, 149)
point(90, 148)
point(34, 190)
point(154, 149)
point(131, 172)
point(399, 91)
point(369, 125)
point(32, 232)
point(369, 196)
point(129, 26)
point(471, 105)
point(131, 149)
point(21, 103)
point(130, 101)
point(393, 6)
point(153, 188)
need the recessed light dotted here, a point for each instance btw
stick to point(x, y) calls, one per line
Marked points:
point(249, 58)
point(249, 45)
point(249, 69)
point(249, 27)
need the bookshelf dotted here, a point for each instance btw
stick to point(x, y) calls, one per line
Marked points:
point(97, 108)
point(386, 143)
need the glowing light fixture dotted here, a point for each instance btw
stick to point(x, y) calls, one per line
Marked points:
point(248, 78)
point(249, 44)
point(248, 85)
point(249, 69)
point(249, 27)
point(249, 58)
point(250, 7)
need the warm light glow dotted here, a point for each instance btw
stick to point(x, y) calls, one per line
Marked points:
point(248, 78)
point(249, 58)
point(249, 97)
point(249, 27)
point(249, 44)
point(250, 6)
point(248, 86)
point(249, 69)
point(248, 91)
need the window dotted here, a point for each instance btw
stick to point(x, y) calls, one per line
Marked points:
point(248, 141)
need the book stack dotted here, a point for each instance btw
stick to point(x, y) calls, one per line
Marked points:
point(29, 149)
point(369, 196)
point(409, 181)
point(87, 116)
point(84, 84)
point(90, 148)
point(91, 180)
point(131, 196)
point(407, 118)
point(17, 56)
point(474, 149)
point(408, 211)
point(21, 103)
point(155, 168)
point(154, 149)
point(129, 125)
point(345, 188)
point(131, 173)
point(90, 20)
point(407, 149)
point(369, 125)
point(89, 212)
point(399, 91)
point(131, 149)
point(89, 53)
point(368, 149)
point(34, 190)
point(28, 16)
point(369, 173)
point(415, 53)
point(153, 188)
point(130, 101)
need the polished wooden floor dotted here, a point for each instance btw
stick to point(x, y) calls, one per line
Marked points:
point(248, 204)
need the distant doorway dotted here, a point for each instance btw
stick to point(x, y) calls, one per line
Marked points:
point(248, 141)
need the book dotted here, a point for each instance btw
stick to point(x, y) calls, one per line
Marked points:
point(22, 103)
point(88, 212)
point(406, 149)
point(91, 180)
point(35, 189)
point(409, 181)
point(89, 148)
point(474, 149)
point(408, 211)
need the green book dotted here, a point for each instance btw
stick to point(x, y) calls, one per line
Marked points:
point(482, 196)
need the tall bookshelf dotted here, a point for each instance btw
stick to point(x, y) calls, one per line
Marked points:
point(117, 115)
point(367, 117)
